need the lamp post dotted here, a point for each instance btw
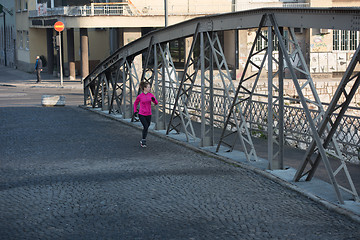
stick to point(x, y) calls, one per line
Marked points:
point(166, 12)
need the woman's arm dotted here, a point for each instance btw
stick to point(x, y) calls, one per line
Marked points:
point(153, 99)
point(137, 100)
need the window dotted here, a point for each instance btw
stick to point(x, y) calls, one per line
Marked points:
point(26, 33)
point(177, 51)
point(261, 42)
point(8, 36)
point(196, 51)
point(345, 40)
point(18, 5)
point(336, 40)
point(353, 40)
point(20, 39)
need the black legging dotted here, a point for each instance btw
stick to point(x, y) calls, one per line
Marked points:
point(145, 121)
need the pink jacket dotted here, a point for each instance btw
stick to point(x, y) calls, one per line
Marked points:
point(145, 103)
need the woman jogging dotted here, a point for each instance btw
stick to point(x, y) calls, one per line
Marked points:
point(145, 99)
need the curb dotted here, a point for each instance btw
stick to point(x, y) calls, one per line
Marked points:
point(41, 86)
point(329, 205)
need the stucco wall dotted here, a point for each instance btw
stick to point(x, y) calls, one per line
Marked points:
point(182, 7)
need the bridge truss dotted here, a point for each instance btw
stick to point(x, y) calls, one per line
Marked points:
point(114, 84)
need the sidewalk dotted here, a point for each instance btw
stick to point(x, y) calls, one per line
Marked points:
point(22, 79)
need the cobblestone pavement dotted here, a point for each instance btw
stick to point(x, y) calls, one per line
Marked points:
point(66, 173)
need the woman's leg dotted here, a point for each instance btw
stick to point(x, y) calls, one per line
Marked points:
point(145, 121)
point(148, 120)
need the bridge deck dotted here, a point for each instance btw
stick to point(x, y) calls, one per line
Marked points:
point(67, 173)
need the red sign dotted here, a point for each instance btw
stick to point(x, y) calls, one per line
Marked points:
point(59, 26)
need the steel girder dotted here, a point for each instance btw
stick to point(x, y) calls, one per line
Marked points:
point(312, 122)
point(122, 88)
point(180, 114)
point(235, 125)
point(149, 70)
point(207, 91)
point(241, 126)
point(105, 93)
point(149, 67)
point(117, 88)
point(175, 86)
point(160, 89)
point(209, 44)
point(325, 129)
point(328, 127)
point(101, 96)
point(129, 86)
point(275, 115)
point(98, 84)
point(325, 18)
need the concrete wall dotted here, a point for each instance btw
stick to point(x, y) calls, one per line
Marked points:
point(334, 3)
point(122, 21)
point(345, 3)
point(99, 45)
point(156, 7)
point(321, 3)
point(22, 26)
point(229, 48)
point(37, 44)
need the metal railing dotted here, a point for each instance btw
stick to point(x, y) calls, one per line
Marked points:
point(297, 131)
point(310, 122)
point(93, 10)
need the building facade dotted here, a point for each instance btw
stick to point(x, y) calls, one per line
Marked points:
point(7, 34)
point(95, 29)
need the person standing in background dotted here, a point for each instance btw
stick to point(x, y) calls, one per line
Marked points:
point(38, 68)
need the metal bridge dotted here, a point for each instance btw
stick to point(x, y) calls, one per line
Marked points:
point(114, 84)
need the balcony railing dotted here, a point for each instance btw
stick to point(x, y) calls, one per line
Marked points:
point(243, 7)
point(92, 10)
point(128, 9)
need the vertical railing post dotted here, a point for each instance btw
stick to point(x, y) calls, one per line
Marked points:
point(270, 111)
point(86, 91)
point(281, 142)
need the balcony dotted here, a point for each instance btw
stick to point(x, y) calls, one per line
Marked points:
point(128, 9)
point(95, 9)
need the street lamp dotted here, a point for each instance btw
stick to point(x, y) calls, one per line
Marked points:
point(166, 12)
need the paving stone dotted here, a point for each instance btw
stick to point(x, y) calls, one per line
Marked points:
point(66, 173)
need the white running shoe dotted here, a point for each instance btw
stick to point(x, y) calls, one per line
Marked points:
point(143, 143)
